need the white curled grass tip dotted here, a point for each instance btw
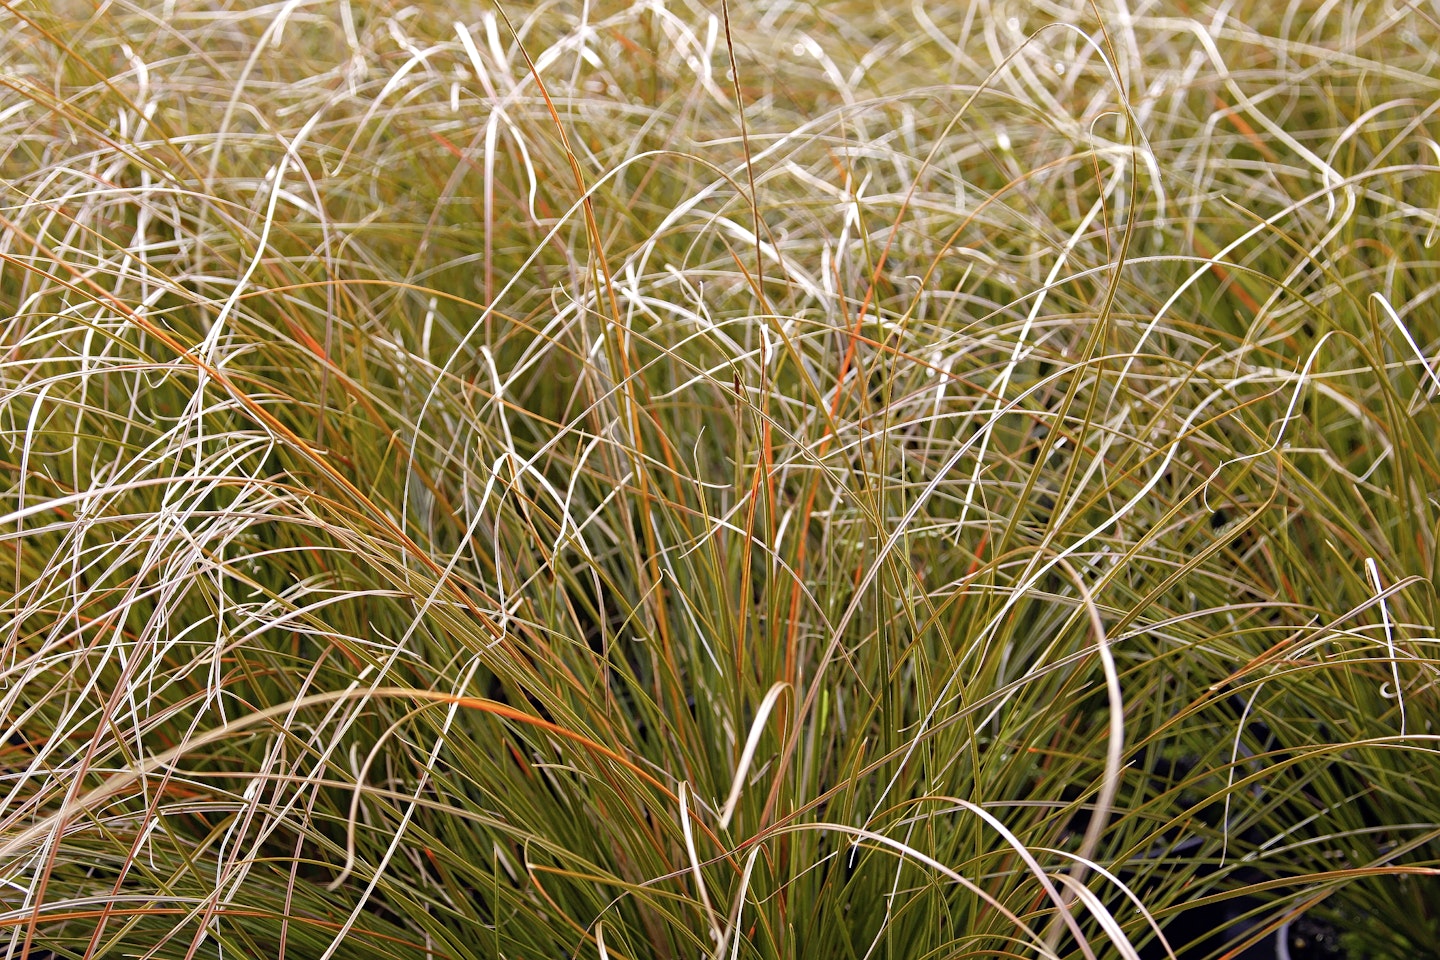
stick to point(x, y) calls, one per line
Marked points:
point(1425, 363)
point(747, 755)
point(732, 932)
point(1125, 890)
point(685, 828)
point(1398, 691)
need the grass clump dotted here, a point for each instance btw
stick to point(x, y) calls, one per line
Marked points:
point(657, 479)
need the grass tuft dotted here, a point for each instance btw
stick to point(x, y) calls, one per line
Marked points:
point(649, 480)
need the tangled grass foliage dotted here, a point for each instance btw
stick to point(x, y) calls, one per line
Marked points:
point(666, 479)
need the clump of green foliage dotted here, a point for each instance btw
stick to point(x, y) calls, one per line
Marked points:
point(661, 479)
